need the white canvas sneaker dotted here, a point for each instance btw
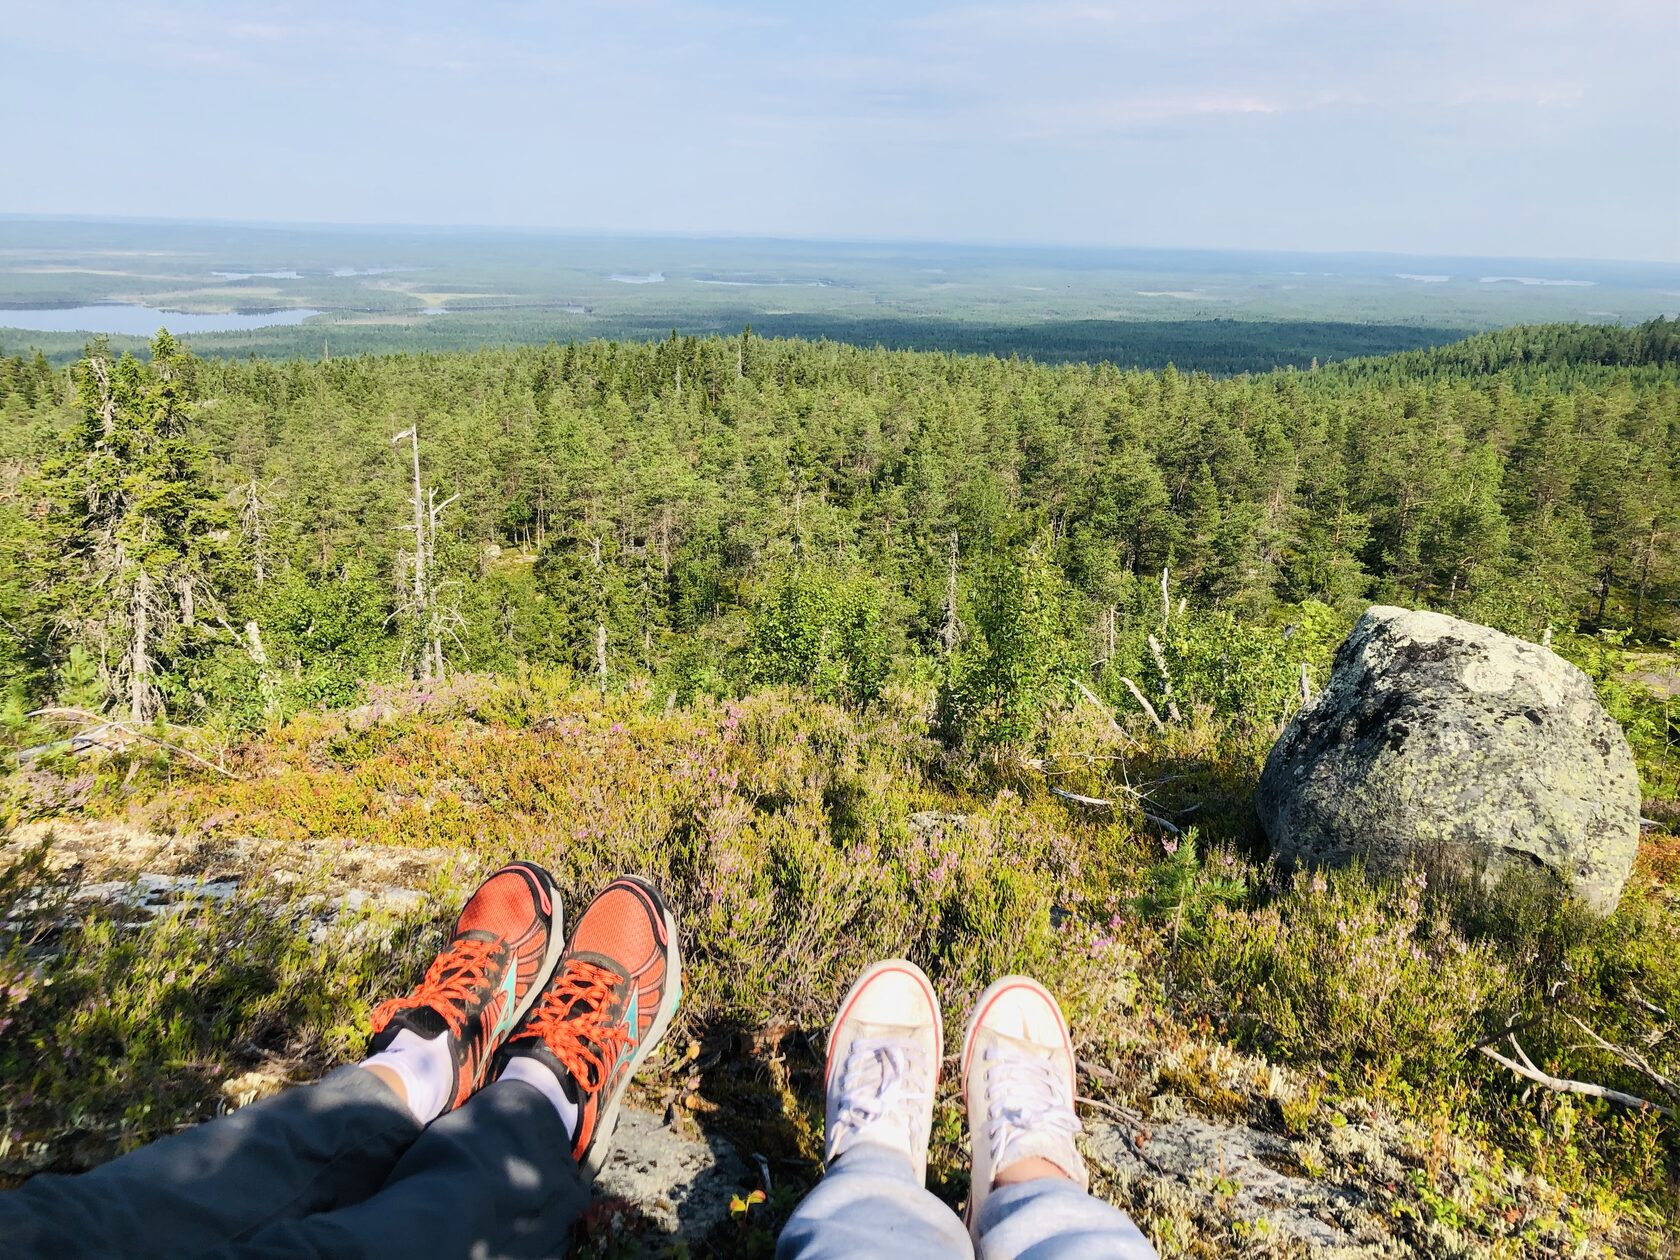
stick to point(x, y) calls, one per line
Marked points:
point(883, 1064)
point(1018, 1083)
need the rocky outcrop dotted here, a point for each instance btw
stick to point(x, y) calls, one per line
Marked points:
point(1445, 741)
point(678, 1184)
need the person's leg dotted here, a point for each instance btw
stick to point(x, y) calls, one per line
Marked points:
point(310, 1149)
point(883, 1064)
point(1052, 1218)
point(1029, 1199)
point(493, 1178)
point(508, 1174)
point(321, 1147)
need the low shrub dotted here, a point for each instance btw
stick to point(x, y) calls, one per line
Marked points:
point(1351, 975)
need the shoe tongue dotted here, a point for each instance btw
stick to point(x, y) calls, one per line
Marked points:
point(605, 961)
point(424, 1021)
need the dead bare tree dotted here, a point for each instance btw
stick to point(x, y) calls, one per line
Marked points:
point(1144, 702)
point(1108, 621)
point(951, 632)
point(600, 623)
point(254, 529)
point(1160, 656)
point(430, 613)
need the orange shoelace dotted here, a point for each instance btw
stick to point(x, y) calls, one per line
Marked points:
point(573, 1021)
point(452, 985)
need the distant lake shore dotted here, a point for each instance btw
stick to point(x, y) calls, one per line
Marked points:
point(123, 318)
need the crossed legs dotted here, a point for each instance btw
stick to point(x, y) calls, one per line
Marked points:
point(473, 1129)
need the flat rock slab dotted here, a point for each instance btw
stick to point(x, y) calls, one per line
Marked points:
point(1239, 1172)
point(681, 1185)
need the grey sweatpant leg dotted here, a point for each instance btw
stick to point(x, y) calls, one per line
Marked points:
point(335, 1169)
point(870, 1204)
point(1052, 1219)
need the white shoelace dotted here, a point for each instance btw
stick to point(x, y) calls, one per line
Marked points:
point(1028, 1096)
point(882, 1077)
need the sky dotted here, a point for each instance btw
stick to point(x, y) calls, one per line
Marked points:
point(1523, 128)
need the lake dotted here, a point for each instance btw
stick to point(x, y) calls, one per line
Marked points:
point(140, 321)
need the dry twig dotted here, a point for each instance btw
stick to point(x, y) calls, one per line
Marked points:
point(1629, 1058)
point(1098, 802)
point(1563, 1085)
point(1144, 701)
point(134, 733)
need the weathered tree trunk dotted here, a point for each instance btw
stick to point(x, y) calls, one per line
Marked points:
point(420, 555)
point(949, 633)
point(600, 624)
point(1644, 576)
point(139, 658)
point(252, 515)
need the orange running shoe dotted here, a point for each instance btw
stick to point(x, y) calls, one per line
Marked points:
point(605, 1010)
point(506, 943)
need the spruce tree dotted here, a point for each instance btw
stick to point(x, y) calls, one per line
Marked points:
point(138, 524)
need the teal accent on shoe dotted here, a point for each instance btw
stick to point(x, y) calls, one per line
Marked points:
point(633, 1015)
point(510, 985)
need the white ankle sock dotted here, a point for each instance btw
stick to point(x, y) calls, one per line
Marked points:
point(540, 1078)
point(425, 1069)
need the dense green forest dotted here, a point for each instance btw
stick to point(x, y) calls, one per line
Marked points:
point(1217, 346)
point(189, 536)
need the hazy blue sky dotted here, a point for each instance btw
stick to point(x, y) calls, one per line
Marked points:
point(1521, 127)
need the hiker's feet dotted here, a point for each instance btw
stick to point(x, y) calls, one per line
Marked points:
point(883, 1063)
point(1018, 1079)
point(603, 1012)
point(438, 1040)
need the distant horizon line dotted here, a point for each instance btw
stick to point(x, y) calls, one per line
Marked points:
point(586, 233)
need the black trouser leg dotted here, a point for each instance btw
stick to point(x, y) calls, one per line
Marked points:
point(493, 1179)
point(317, 1148)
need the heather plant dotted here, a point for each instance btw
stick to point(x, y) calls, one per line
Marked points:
point(1353, 975)
point(135, 1024)
point(799, 840)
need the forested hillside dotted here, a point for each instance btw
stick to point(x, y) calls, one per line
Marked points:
point(237, 536)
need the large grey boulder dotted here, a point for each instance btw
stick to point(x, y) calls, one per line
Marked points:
point(1441, 740)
